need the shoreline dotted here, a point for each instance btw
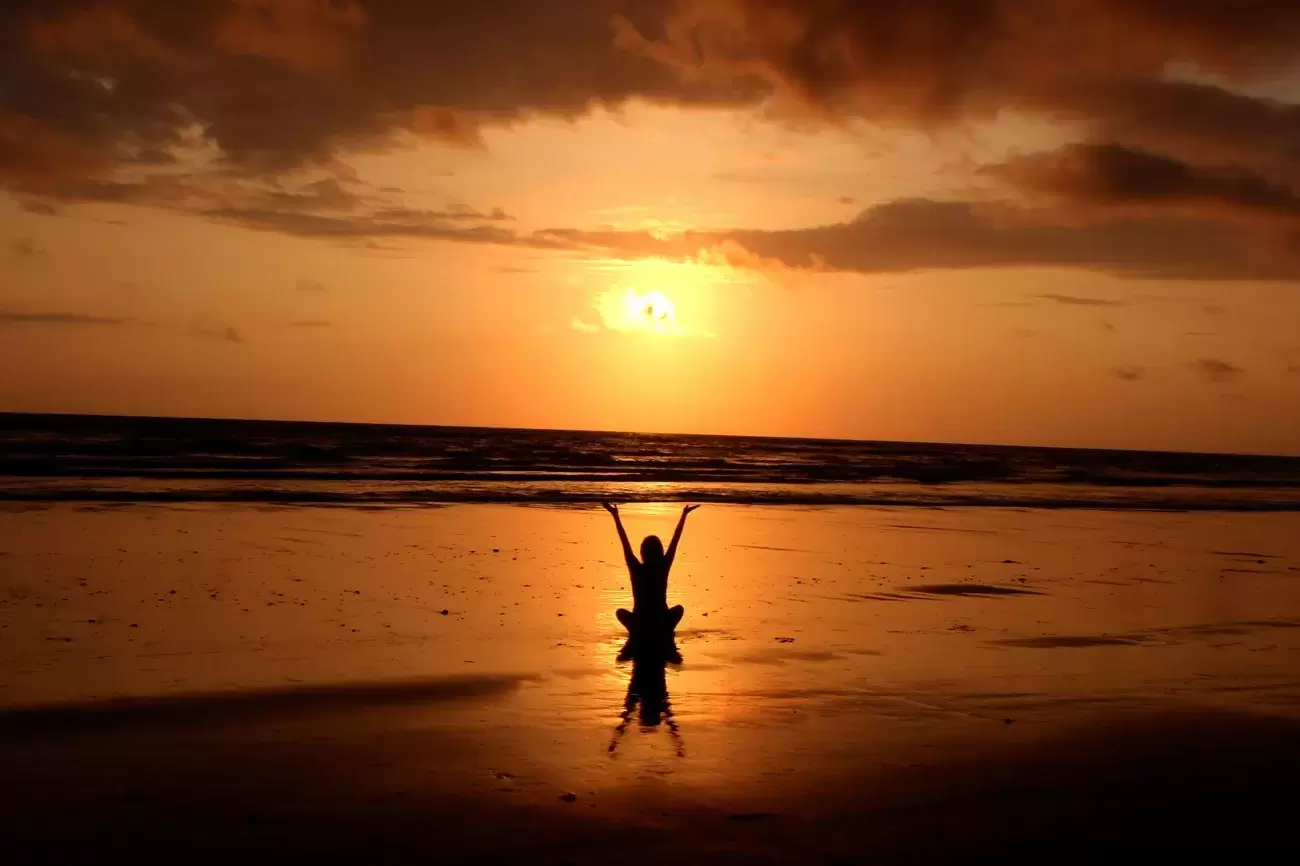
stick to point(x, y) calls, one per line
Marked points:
point(234, 491)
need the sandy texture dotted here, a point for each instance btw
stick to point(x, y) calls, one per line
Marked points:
point(855, 683)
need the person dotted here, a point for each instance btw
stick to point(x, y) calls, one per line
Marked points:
point(650, 612)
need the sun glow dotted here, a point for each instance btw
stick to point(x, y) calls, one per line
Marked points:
point(637, 304)
point(629, 310)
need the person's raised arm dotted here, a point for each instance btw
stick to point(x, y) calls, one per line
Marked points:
point(677, 535)
point(632, 561)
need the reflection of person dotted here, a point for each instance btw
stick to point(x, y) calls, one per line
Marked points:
point(647, 698)
point(650, 579)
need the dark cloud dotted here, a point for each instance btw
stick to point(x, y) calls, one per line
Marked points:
point(221, 333)
point(942, 61)
point(333, 207)
point(846, 199)
point(1130, 374)
point(306, 285)
point(280, 83)
point(1080, 301)
point(1216, 370)
point(309, 323)
point(416, 225)
point(1197, 123)
point(93, 86)
point(1187, 148)
point(7, 318)
point(24, 247)
point(1112, 175)
point(283, 82)
point(920, 234)
point(41, 208)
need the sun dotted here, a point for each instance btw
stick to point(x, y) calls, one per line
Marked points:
point(652, 311)
point(629, 310)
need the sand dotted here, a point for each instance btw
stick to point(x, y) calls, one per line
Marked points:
point(855, 685)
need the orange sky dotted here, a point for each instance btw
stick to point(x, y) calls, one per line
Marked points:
point(925, 220)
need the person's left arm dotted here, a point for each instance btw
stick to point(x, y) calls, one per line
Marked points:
point(677, 536)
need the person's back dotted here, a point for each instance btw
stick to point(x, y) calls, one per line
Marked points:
point(649, 589)
point(650, 578)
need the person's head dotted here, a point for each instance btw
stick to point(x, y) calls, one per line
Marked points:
point(652, 549)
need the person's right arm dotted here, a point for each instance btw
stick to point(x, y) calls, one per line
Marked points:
point(677, 535)
point(628, 556)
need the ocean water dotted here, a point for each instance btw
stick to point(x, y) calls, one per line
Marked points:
point(125, 459)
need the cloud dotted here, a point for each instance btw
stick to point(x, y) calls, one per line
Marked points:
point(935, 62)
point(1216, 370)
point(308, 36)
point(395, 223)
point(1079, 301)
point(313, 286)
point(110, 100)
point(896, 236)
point(326, 204)
point(310, 323)
point(1195, 122)
point(38, 207)
point(926, 234)
point(286, 83)
point(1130, 374)
point(1113, 175)
point(24, 247)
point(584, 327)
point(221, 333)
point(1106, 70)
point(9, 318)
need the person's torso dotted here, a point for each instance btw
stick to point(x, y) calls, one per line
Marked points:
point(649, 588)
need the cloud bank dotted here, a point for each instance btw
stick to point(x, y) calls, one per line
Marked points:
point(1182, 166)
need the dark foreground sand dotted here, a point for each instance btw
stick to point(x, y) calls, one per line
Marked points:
point(868, 686)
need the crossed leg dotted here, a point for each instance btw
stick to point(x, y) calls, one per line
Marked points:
point(670, 618)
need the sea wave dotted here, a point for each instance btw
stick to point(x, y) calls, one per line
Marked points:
point(112, 459)
point(583, 493)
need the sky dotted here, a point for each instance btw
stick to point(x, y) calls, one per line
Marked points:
point(1067, 222)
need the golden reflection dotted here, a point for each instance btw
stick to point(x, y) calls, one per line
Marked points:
point(647, 694)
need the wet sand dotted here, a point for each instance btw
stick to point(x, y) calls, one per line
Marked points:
point(855, 685)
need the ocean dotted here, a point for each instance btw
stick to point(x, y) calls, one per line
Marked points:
point(135, 459)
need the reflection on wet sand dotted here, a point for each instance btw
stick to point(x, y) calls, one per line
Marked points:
point(991, 687)
point(647, 693)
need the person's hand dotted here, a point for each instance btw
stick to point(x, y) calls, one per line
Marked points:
point(688, 509)
point(611, 508)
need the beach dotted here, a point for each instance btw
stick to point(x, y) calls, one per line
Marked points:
point(202, 679)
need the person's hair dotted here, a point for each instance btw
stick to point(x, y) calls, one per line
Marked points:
point(652, 548)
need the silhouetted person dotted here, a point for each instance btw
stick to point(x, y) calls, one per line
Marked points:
point(650, 615)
